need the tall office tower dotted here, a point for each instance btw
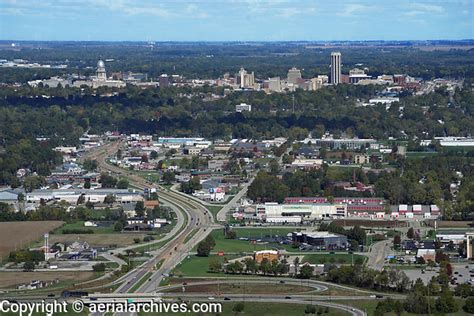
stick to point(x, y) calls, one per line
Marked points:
point(335, 68)
point(245, 79)
point(293, 75)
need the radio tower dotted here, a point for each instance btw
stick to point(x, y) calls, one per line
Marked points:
point(46, 246)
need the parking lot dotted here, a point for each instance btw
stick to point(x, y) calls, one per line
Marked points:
point(459, 271)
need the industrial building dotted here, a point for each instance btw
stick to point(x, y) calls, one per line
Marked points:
point(323, 240)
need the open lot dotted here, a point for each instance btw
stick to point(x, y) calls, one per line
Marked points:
point(99, 240)
point(16, 235)
point(332, 258)
point(236, 288)
point(10, 279)
point(370, 223)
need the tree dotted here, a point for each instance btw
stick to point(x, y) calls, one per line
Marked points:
point(109, 199)
point(99, 267)
point(250, 265)
point(310, 309)
point(296, 263)
point(122, 184)
point(168, 177)
point(265, 266)
point(306, 272)
point(33, 182)
point(90, 165)
point(28, 266)
point(153, 154)
point(468, 306)
point(411, 233)
point(215, 265)
point(107, 181)
point(445, 303)
point(140, 209)
point(397, 240)
point(238, 307)
point(203, 249)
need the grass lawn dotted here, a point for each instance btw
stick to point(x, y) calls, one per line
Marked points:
point(273, 309)
point(369, 307)
point(238, 246)
point(194, 266)
point(214, 209)
point(79, 225)
point(327, 258)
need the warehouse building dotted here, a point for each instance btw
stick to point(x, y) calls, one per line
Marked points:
point(323, 240)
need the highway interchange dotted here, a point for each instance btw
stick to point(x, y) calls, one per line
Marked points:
point(192, 218)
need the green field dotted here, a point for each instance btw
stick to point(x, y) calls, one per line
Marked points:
point(80, 226)
point(262, 309)
point(332, 258)
point(194, 266)
point(214, 209)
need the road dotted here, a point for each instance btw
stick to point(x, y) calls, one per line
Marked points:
point(377, 254)
point(197, 217)
point(221, 215)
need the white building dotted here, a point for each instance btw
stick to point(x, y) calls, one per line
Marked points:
point(243, 107)
point(274, 212)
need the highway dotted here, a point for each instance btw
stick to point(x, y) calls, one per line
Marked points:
point(197, 217)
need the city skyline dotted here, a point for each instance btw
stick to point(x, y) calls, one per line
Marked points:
point(235, 20)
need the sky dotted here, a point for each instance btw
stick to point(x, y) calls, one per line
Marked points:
point(235, 20)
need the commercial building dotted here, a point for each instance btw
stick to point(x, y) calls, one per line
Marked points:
point(243, 107)
point(280, 212)
point(354, 205)
point(340, 143)
point(293, 75)
point(335, 68)
point(274, 84)
point(324, 240)
point(270, 255)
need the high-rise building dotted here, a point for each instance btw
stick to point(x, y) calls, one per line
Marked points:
point(315, 84)
point(274, 84)
point(293, 75)
point(335, 68)
point(164, 81)
point(245, 79)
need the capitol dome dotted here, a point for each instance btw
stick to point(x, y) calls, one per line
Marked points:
point(100, 64)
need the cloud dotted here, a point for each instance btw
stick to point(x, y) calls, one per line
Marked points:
point(417, 9)
point(354, 9)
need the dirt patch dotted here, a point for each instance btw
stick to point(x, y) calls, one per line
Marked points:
point(237, 288)
point(17, 235)
point(11, 279)
point(454, 224)
point(370, 223)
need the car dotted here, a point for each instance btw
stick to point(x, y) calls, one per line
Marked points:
point(226, 299)
point(378, 296)
point(51, 295)
point(281, 281)
point(211, 298)
point(287, 297)
point(455, 272)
